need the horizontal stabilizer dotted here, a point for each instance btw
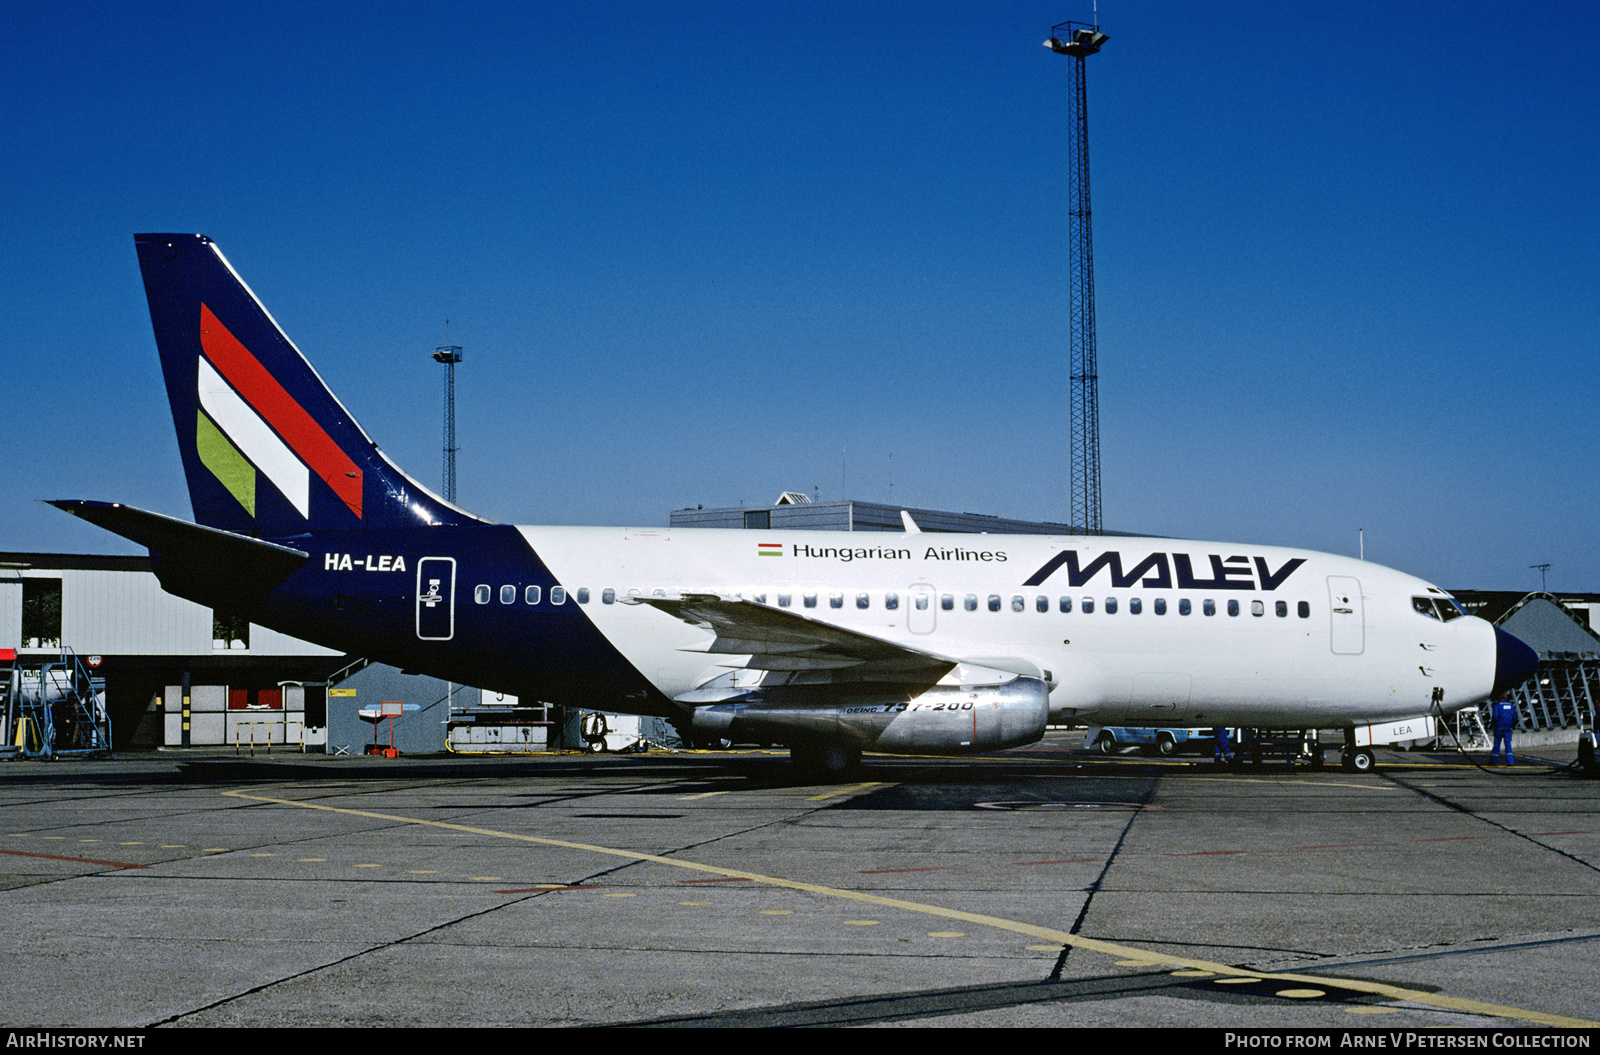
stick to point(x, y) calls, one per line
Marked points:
point(205, 565)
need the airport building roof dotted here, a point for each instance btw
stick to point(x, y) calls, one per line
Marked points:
point(795, 511)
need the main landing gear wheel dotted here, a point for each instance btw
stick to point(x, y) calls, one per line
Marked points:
point(827, 760)
point(1360, 760)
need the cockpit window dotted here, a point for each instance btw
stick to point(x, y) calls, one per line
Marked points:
point(1441, 608)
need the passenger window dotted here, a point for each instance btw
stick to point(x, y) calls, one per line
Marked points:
point(1257, 608)
point(784, 600)
point(1161, 606)
point(583, 595)
point(1233, 607)
point(947, 601)
point(1208, 607)
point(1281, 607)
point(1018, 604)
point(809, 600)
point(480, 594)
point(836, 600)
point(1066, 604)
point(1135, 606)
point(758, 598)
point(971, 602)
point(608, 596)
point(531, 595)
point(1303, 610)
point(1041, 603)
point(1086, 606)
point(922, 602)
point(862, 600)
point(508, 595)
point(891, 601)
point(558, 595)
point(1184, 607)
point(994, 602)
point(1111, 606)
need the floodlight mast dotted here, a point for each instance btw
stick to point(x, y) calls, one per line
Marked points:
point(449, 355)
point(1079, 41)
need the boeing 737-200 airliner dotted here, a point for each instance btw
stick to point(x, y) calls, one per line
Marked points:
point(831, 643)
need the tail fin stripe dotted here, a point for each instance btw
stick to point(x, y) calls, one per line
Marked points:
point(219, 455)
point(309, 440)
point(252, 436)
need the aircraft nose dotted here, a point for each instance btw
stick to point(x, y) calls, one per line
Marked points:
point(1514, 662)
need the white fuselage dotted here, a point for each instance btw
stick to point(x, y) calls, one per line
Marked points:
point(1160, 632)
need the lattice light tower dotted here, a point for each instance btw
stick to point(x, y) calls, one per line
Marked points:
point(1079, 41)
point(449, 355)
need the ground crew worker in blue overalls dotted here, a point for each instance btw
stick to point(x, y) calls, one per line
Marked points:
point(1503, 714)
point(1221, 751)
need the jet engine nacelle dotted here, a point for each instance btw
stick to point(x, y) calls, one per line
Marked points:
point(944, 718)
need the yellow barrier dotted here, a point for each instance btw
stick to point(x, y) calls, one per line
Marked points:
point(239, 726)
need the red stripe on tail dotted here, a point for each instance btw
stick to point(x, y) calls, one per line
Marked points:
point(298, 429)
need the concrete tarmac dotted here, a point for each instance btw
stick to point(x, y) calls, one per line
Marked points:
point(1040, 887)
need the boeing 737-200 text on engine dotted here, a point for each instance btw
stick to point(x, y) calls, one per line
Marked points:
point(831, 643)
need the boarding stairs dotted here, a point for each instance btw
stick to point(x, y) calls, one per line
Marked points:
point(1467, 725)
point(57, 709)
point(8, 703)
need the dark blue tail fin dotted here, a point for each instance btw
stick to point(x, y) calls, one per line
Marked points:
point(268, 450)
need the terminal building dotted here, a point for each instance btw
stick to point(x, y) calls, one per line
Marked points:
point(169, 673)
point(1563, 695)
point(66, 618)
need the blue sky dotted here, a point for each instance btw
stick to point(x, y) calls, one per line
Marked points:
point(1347, 257)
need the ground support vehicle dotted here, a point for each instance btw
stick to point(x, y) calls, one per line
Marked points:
point(1112, 739)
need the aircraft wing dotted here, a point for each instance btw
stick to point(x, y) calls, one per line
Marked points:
point(780, 640)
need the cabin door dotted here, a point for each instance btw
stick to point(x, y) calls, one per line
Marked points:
point(436, 598)
point(1349, 636)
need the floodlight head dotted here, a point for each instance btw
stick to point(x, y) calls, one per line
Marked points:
point(1084, 42)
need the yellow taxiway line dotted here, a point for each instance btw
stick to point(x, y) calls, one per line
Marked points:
point(1127, 953)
